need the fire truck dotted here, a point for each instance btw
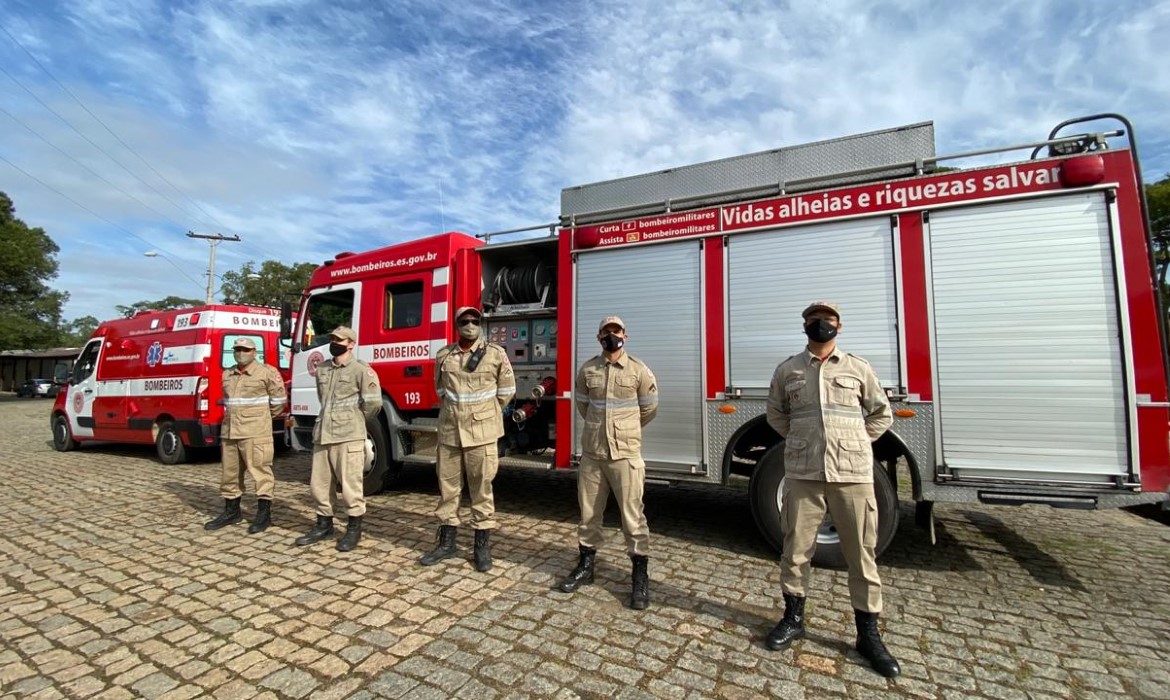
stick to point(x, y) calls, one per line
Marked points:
point(158, 378)
point(1004, 297)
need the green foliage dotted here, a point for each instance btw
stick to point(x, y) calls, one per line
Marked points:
point(267, 285)
point(1158, 203)
point(74, 333)
point(171, 302)
point(30, 311)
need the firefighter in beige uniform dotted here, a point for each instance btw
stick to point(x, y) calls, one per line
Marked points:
point(829, 407)
point(253, 395)
point(350, 394)
point(616, 395)
point(474, 381)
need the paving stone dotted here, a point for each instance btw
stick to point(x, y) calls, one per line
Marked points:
point(1027, 603)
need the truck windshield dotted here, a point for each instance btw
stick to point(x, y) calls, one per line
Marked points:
point(325, 312)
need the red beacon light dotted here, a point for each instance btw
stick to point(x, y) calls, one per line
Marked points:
point(1082, 171)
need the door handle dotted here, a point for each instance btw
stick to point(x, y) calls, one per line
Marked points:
point(88, 391)
point(412, 371)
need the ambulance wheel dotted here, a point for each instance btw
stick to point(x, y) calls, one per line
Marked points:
point(63, 435)
point(377, 459)
point(764, 492)
point(169, 443)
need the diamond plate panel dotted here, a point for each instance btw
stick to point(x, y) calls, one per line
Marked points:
point(916, 432)
point(759, 170)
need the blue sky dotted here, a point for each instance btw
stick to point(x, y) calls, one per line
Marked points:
point(309, 127)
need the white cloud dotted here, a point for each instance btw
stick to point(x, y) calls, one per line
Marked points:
point(310, 127)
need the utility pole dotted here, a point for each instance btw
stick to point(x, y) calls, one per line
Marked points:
point(214, 239)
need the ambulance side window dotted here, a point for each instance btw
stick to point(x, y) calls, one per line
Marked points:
point(86, 362)
point(227, 358)
point(404, 305)
point(325, 312)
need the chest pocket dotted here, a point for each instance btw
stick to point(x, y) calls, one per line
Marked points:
point(796, 392)
point(625, 386)
point(845, 390)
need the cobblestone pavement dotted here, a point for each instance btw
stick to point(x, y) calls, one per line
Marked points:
point(111, 588)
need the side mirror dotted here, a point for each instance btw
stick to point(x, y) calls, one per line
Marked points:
point(285, 320)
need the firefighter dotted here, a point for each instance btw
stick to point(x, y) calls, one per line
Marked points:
point(616, 395)
point(253, 395)
point(350, 394)
point(474, 381)
point(829, 407)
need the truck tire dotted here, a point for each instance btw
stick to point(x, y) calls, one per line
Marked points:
point(169, 444)
point(63, 434)
point(376, 469)
point(764, 493)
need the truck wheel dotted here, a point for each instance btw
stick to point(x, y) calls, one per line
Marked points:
point(63, 435)
point(764, 492)
point(378, 458)
point(169, 443)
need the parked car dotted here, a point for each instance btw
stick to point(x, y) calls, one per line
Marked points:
point(33, 388)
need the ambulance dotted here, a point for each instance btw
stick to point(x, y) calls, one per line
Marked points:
point(1004, 296)
point(157, 378)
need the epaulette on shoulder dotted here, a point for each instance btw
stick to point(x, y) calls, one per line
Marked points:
point(859, 358)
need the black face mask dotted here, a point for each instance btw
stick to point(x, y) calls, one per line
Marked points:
point(337, 349)
point(820, 331)
point(612, 343)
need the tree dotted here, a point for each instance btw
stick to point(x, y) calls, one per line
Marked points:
point(171, 302)
point(30, 312)
point(74, 333)
point(1158, 204)
point(266, 286)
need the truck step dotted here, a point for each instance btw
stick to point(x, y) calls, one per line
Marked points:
point(1056, 500)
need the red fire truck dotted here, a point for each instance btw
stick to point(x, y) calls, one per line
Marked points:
point(1007, 306)
point(158, 378)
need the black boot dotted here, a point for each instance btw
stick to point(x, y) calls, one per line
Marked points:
point(353, 534)
point(791, 626)
point(869, 645)
point(229, 516)
point(444, 550)
point(483, 550)
point(263, 516)
point(323, 529)
point(640, 595)
point(582, 575)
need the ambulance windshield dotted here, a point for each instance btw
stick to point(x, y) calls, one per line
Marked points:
point(325, 312)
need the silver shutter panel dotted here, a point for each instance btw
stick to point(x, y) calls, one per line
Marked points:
point(655, 289)
point(1030, 377)
point(774, 275)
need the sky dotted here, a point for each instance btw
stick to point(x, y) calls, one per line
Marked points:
point(308, 127)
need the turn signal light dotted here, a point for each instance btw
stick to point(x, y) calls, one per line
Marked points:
point(727, 408)
point(905, 413)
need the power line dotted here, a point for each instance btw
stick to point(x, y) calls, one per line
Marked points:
point(91, 170)
point(166, 254)
point(111, 131)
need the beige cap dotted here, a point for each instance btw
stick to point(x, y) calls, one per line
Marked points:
point(611, 320)
point(467, 310)
point(243, 343)
point(343, 333)
point(822, 306)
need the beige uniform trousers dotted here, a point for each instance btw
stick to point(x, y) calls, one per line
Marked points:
point(853, 509)
point(595, 479)
point(344, 463)
point(253, 455)
point(480, 463)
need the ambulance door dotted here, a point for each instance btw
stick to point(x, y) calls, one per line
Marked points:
point(83, 389)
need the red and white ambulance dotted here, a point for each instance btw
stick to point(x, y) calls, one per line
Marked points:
point(158, 378)
point(1006, 302)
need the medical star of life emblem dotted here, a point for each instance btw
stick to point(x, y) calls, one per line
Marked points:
point(154, 354)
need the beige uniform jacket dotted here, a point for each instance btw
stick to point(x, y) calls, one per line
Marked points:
point(472, 403)
point(252, 397)
point(828, 413)
point(349, 394)
point(615, 399)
